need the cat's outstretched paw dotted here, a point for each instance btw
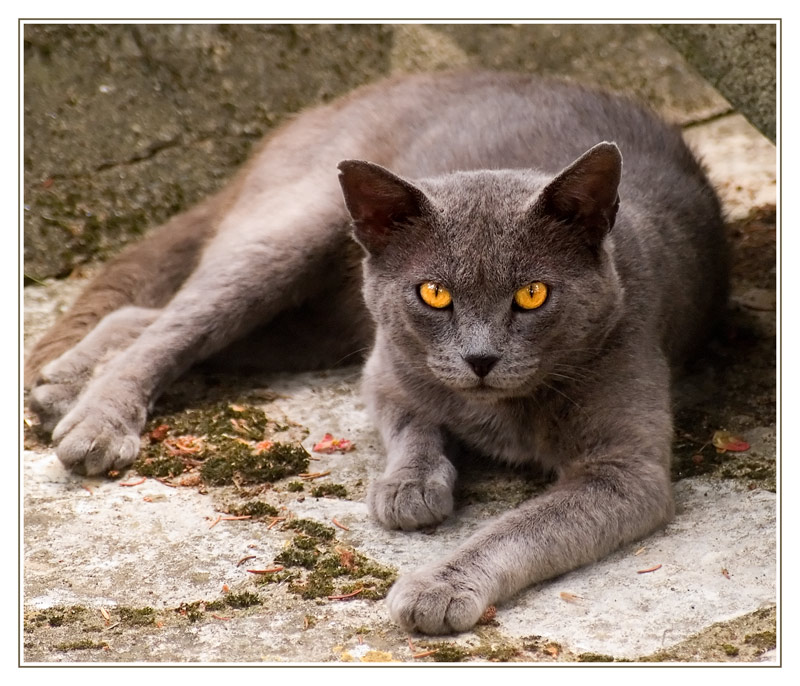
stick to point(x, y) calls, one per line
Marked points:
point(93, 439)
point(400, 501)
point(56, 391)
point(436, 601)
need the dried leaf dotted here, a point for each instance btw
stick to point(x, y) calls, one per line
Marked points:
point(724, 441)
point(346, 557)
point(488, 615)
point(159, 433)
point(329, 445)
point(569, 597)
point(262, 447)
point(184, 445)
point(552, 649)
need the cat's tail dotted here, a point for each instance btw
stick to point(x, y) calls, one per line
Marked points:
point(147, 274)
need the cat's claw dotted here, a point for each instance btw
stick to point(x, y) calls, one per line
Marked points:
point(92, 441)
point(400, 502)
point(435, 601)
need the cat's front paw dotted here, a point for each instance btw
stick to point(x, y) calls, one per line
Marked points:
point(56, 391)
point(403, 501)
point(97, 437)
point(436, 600)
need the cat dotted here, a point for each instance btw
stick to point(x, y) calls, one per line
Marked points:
point(522, 294)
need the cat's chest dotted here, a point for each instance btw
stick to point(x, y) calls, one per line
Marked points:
point(517, 432)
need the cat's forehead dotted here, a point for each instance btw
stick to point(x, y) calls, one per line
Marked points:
point(494, 196)
point(481, 231)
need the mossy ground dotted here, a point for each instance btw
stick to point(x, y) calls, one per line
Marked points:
point(223, 443)
point(316, 565)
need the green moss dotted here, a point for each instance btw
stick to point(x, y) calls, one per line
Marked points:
point(447, 652)
point(242, 600)
point(594, 657)
point(58, 616)
point(215, 605)
point(326, 489)
point(137, 616)
point(317, 567)
point(764, 640)
point(729, 649)
point(159, 466)
point(301, 552)
point(255, 508)
point(311, 528)
point(237, 460)
point(225, 442)
point(192, 611)
point(83, 644)
point(295, 486)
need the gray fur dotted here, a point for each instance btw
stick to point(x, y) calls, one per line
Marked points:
point(498, 180)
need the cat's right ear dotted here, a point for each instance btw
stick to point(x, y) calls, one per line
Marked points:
point(379, 202)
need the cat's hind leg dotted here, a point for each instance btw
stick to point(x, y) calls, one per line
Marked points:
point(61, 381)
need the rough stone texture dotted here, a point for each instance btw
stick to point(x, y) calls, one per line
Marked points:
point(738, 59)
point(138, 553)
point(126, 125)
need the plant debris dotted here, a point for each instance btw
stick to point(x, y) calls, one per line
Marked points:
point(329, 445)
point(649, 569)
point(724, 441)
point(316, 565)
point(219, 444)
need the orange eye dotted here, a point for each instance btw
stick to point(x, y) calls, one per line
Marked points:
point(531, 296)
point(434, 295)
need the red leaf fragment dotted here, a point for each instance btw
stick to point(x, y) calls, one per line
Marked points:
point(159, 433)
point(329, 445)
point(724, 441)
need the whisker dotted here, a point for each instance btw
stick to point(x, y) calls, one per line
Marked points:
point(564, 395)
point(355, 352)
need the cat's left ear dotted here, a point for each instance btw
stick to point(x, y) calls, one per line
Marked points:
point(379, 202)
point(584, 195)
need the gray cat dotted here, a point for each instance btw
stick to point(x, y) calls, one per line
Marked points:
point(525, 299)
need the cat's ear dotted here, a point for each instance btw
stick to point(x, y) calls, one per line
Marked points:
point(585, 193)
point(379, 202)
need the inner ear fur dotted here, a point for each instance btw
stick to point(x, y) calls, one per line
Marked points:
point(585, 194)
point(379, 202)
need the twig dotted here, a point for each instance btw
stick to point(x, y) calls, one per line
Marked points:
point(346, 595)
point(426, 653)
point(134, 483)
point(651, 569)
point(274, 521)
point(215, 522)
point(245, 559)
point(313, 475)
point(232, 519)
point(279, 568)
point(341, 526)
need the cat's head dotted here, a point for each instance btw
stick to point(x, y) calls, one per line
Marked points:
point(491, 281)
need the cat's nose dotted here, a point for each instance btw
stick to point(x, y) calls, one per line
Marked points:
point(481, 364)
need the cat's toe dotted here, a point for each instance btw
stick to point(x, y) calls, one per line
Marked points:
point(51, 402)
point(402, 503)
point(432, 603)
point(95, 442)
